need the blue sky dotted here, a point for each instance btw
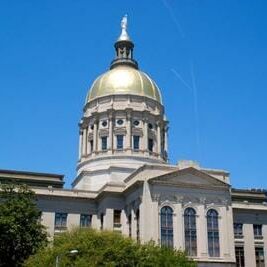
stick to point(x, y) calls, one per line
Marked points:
point(208, 57)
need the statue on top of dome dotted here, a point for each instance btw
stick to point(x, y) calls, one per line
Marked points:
point(124, 35)
point(124, 22)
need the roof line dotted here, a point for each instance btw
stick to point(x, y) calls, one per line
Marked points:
point(31, 173)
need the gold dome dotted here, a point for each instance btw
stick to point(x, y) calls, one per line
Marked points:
point(124, 79)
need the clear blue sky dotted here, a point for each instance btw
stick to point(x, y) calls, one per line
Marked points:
point(208, 57)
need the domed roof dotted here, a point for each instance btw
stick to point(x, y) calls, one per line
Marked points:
point(124, 79)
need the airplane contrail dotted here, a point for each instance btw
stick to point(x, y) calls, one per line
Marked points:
point(174, 18)
point(193, 90)
point(181, 79)
point(196, 113)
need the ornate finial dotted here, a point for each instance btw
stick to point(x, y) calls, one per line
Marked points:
point(124, 35)
point(124, 48)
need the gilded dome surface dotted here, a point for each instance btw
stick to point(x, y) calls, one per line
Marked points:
point(124, 79)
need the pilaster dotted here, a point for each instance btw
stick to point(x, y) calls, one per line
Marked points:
point(110, 137)
point(178, 229)
point(202, 240)
point(128, 130)
point(249, 247)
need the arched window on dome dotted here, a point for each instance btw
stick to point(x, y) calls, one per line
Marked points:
point(166, 226)
point(190, 232)
point(213, 233)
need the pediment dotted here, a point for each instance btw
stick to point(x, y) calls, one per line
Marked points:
point(188, 177)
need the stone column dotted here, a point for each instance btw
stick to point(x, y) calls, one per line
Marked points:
point(166, 139)
point(159, 138)
point(95, 224)
point(133, 224)
point(108, 219)
point(87, 141)
point(124, 223)
point(145, 136)
point(84, 149)
point(80, 144)
point(110, 137)
point(95, 138)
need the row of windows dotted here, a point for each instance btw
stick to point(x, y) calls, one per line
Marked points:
point(61, 220)
point(120, 143)
point(190, 230)
point(257, 229)
point(120, 122)
point(240, 256)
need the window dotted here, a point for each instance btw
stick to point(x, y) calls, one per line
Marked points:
point(238, 230)
point(130, 225)
point(190, 232)
point(136, 140)
point(137, 218)
point(61, 220)
point(213, 233)
point(257, 228)
point(104, 123)
point(136, 123)
point(150, 126)
point(240, 258)
point(150, 144)
point(259, 254)
point(166, 224)
point(120, 122)
point(91, 145)
point(104, 142)
point(117, 218)
point(119, 141)
point(85, 220)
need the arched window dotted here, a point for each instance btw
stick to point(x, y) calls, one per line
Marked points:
point(166, 223)
point(213, 233)
point(190, 231)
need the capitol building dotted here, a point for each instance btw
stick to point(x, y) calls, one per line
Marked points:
point(125, 183)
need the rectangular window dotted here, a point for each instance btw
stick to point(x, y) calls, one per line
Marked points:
point(85, 220)
point(61, 220)
point(259, 254)
point(117, 218)
point(150, 144)
point(238, 230)
point(119, 141)
point(136, 141)
point(104, 142)
point(240, 258)
point(91, 146)
point(257, 228)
